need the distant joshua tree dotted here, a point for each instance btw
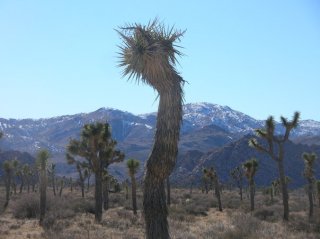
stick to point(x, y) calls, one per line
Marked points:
point(237, 175)
point(80, 166)
point(7, 166)
point(250, 168)
point(275, 149)
point(42, 159)
point(309, 159)
point(212, 175)
point(15, 174)
point(133, 166)
point(149, 54)
point(98, 148)
point(52, 173)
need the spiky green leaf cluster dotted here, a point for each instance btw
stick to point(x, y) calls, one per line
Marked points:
point(133, 166)
point(250, 167)
point(309, 159)
point(149, 52)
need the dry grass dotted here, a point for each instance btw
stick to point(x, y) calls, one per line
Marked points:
point(191, 216)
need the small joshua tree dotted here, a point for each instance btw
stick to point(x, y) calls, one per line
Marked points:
point(133, 166)
point(309, 159)
point(275, 149)
point(212, 175)
point(237, 175)
point(42, 158)
point(250, 168)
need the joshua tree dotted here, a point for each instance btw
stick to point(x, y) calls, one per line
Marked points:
point(212, 175)
point(71, 184)
point(149, 54)
point(133, 166)
point(97, 147)
point(42, 159)
point(275, 149)
point(62, 184)
point(80, 166)
point(8, 173)
point(205, 185)
point(126, 187)
point(250, 168)
point(237, 175)
point(52, 173)
point(309, 159)
point(15, 174)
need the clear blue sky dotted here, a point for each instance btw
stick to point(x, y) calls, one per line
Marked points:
point(60, 57)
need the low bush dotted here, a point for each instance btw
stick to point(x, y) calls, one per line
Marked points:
point(26, 207)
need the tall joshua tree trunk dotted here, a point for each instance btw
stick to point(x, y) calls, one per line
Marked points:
point(310, 197)
point(284, 189)
point(105, 194)
point(134, 195)
point(161, 162)
point(217, 193)
point(98, 197)
point(251, 186)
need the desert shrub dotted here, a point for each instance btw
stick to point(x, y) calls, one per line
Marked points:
point(26, 207)
point(197, 209)
point(265, 214)
point(83, 205)
point(179, 213)
point(243, 226)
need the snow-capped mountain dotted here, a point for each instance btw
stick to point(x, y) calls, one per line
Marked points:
point(131, 130)
point(203, 114)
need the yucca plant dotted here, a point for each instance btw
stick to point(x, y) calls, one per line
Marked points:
point(42, 158)
point(97, 147)
point(275, 149)
point(213, 176)
point(133, 166)
point(148, 54)
point(250, 167)
point(309, 159)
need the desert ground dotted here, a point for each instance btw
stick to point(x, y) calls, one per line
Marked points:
point(192, 215)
